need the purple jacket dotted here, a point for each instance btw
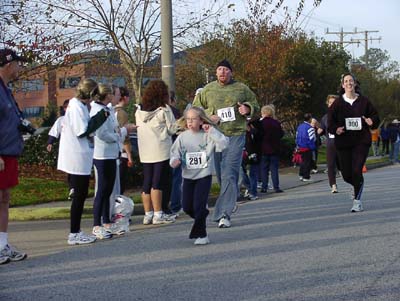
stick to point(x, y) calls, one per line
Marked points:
point(272, 135)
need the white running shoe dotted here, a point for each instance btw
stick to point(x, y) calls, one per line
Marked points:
point(163, 219)
point(12, 254)
point(202, 241)
point(80, 238)
point(4, 259)
point(357, 206)
point(314, 171)
point(224, 222)
point(101, 233)
point(114, 229)
point(334, 188)
point(147, 219)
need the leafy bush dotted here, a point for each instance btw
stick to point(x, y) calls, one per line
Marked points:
point(288, 144)
point(35, 152)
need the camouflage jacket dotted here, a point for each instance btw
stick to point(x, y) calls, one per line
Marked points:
point(215, 97)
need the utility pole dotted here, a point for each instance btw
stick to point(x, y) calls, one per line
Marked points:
point(366, 32)
point(167, 58)
point(341, 34)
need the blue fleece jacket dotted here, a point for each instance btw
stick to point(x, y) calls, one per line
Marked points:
point(11, 143)
point(305, 136)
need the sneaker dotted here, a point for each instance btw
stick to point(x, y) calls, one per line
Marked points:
point(71, 194)
point(147, 219)
point(314, 171)
point(224, 222)
point(357, 206)
point(202, 241)
point(80, 238)
point(12, 253)
point(306, 180)
point(278, 190)
point(259, 185)
point(101, 233)
point(301, 178)
point(114, 229)
point(163, 219)
point(334, 188)
point(171, 215)
point(246, 194)
point(4, 259)
point(252, 197)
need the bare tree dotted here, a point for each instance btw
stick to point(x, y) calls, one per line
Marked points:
point(48, 30)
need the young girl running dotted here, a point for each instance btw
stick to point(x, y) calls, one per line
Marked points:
point(194, 149)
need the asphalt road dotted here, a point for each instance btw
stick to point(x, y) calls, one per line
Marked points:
point(303, 244)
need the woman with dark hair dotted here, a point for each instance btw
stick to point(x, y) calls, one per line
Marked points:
point(350, 119)
point(156, 125)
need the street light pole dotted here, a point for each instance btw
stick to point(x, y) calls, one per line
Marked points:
point(167, 59)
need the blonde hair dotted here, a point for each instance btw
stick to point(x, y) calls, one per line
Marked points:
point(181, 122)
point(100, 93)
point(268, 110)
point(331, 96)
point(85, 88)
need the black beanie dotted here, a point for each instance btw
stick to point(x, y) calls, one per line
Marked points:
point(225, 63)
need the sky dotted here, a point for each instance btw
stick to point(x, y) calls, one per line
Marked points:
point(365, 15)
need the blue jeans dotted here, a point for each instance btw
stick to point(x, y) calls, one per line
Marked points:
point(176, 190)
point(270, 163)
point(227, 166)
point(250, 182)
point(394, 152)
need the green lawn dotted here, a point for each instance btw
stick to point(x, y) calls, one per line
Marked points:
point(31, 191)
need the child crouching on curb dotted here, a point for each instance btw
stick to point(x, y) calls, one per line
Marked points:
point(194, 149)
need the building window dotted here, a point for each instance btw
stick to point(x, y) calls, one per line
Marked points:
point(69, 82)
point(30, 85)
point(33, 112)
point(118, 81)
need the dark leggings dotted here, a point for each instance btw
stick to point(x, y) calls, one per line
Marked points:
point(80, 184)
point(351, 164)
point(152, 173)
point(194, 203)
point(106, 171)
point(331, 158)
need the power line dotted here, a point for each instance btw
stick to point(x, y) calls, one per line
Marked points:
point(344, 43)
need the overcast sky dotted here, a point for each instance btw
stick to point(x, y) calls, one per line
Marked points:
point(370, 15)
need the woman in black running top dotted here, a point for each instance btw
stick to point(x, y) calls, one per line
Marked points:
point(350, 119)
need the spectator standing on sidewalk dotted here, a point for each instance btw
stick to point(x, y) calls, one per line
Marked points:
point(314, 163)
point(331, 155)
point(251, 158)
point(125, 160)
point(156, 125)
point(54, 134)
point(394, 133)
point(175, 198)
point(11, 146)
point(375, 141)
point(350, 118)
point(384, 134)
point(305, 142)
point(228, 103)
point(270, 148)
point(75, 154)
point(194, 151)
